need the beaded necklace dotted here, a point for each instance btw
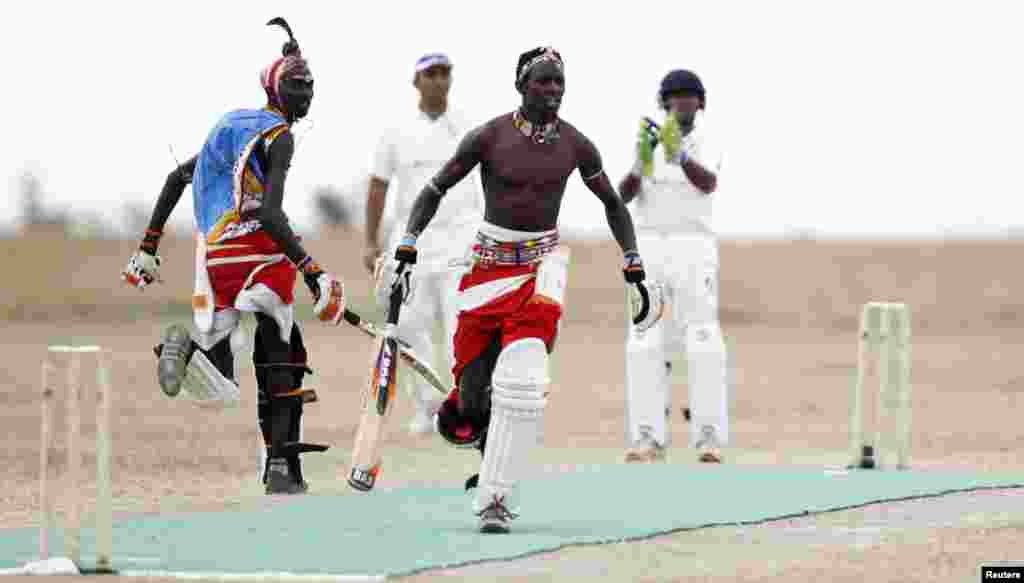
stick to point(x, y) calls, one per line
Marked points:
point(540, 134)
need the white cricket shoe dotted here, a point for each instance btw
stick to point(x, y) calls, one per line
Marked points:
point(708, 449)
point(496, 517)
point(645, 451)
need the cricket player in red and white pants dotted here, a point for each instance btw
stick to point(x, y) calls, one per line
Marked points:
point(671, 185)
point(247, 261)
point(511, 299)
point(409, 153)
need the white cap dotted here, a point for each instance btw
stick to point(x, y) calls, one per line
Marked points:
point(432, 59)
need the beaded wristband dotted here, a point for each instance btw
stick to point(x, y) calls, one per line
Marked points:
point(151, 240)
point(409, 240)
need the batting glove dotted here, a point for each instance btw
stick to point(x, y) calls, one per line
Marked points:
point(143, 269)
point(645, 301)
point(401, 279)
point(328, 292)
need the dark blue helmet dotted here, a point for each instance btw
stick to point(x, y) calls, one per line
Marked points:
point(681, 80)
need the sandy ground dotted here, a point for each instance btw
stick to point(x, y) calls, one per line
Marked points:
point(789, 312)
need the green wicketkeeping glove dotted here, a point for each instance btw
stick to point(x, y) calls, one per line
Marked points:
point(671, 137)
point(646, 140)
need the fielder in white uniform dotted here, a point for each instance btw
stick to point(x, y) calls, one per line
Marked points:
point(410, 152)
point(671, 185)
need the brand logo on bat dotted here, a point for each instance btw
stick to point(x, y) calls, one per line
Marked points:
point(385, 372)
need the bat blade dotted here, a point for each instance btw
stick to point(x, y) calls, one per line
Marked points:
point(420, 366)
point(378, 401)
point(405, 352)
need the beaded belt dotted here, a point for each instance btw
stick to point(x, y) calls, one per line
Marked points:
point(488, 251)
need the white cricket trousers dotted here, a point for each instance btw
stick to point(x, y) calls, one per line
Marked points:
point(432, 303)
point(435, 280)
point(686, 265)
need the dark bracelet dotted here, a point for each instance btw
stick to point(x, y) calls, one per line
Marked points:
point(406, 254)
point(151, 241)
point(308, 267)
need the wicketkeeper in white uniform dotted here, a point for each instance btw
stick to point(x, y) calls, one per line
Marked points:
point(671, 186)
point(410, 152)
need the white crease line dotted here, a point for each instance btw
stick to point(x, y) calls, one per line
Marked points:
point(260, 576)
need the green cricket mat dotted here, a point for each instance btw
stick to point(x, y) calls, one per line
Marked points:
point(407, 530)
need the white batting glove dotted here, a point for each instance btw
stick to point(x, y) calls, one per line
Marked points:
point(328, 292)
point(330, 303)
point(405, 255)
point(647, 304)
point(646, 301)
point(142, 270)
point(385, 280)
point(404, 282)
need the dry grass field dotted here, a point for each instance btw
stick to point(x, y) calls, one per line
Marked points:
point(789, 312)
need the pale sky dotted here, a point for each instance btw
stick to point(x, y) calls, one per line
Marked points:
point(863, 117)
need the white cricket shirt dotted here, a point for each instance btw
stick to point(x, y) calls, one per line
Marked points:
point(410, 153)
point(669, 202)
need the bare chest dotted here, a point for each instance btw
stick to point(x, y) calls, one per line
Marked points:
point(514, 158)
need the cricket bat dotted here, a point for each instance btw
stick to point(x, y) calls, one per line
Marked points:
point(378, 401)
point(405, 352)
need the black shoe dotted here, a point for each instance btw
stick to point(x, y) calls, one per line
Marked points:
point(175, 352)
point(281, 481)
point(295, 468)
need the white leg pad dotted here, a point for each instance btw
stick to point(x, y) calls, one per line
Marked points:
point(260, 298)
point(648, 392)
point(240, 339)
point(709, 397)
point(205, 385)
point(223, 324)
point(517, 412)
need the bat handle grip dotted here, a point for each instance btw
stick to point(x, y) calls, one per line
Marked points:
point(351, 317)
point(396, 297)
point(395, 306)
